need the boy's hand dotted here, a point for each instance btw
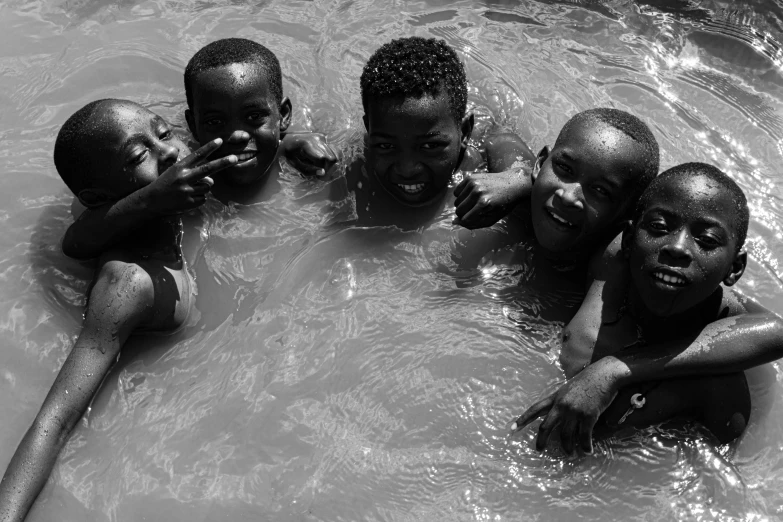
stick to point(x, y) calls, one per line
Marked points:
point(574, 408)
point(184, 185)
point(309, 153)
point(486, 198)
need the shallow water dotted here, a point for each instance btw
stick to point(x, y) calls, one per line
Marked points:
point(347, 373)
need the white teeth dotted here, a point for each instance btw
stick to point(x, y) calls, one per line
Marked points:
point(561, 220)
point(412, 189)
point(244, 156)
point(666, 278)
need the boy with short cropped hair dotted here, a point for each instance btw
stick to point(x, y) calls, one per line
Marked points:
point(108, 151)
point(414, 95)
point(234, 92)
point(686, 239)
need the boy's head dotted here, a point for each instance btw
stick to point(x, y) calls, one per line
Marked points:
point(414, 94)
point(587, 185)
point(111, 148)
point(234, 90)
point(686, 238)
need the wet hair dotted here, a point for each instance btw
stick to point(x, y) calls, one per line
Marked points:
point(76, 143)
point(695, 170)
point(635, 129)
point(415, 66)
point(234, 50)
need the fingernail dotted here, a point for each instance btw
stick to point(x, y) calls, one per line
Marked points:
point(514, 427)
point(320, 172)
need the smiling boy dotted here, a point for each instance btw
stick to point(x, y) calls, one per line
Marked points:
point(414, 95)
point(686, 239)
point(107, 151)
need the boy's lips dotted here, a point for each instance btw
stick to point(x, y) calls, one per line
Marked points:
point(245, 155)
point(414, 188)
point(668, 279)
point(560, 220)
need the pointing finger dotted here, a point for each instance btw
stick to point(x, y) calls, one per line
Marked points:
point(535, 411)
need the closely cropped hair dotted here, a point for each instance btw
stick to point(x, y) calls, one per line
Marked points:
point(234, 50)
point(416, 66)
point(635, 129)
point(694, 170)
point(75, 141)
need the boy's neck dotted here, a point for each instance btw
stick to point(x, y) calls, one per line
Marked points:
point(655, 326)
point(160, 239)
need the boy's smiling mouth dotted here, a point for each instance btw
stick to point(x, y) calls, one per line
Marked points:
point(246, 155)
point(559, 220)
point(668, 278)
point(412, 189)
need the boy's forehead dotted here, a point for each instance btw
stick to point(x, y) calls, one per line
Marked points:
point(425, 109)
point(696, 198)
point(232, 76)
point(117, 123)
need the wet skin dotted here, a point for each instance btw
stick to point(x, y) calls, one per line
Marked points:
point(684, 246)
point(415, 146)
point(582, 186)
point(135, 147)
point(234, 102)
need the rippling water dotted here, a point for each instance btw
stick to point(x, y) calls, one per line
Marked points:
point(345, 373)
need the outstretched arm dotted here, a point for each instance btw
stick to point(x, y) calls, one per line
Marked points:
point(309, 152)
point(119, 301)
point(724, 346)
point(181, 187)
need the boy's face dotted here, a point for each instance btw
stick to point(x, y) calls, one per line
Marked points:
point(232, 100)
point(582, 187)
point(415, 145)
point(684, 246)
point(136, 146)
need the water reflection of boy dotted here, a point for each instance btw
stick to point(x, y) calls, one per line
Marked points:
point(663, 288)
point(234, 92)
point(107, 151)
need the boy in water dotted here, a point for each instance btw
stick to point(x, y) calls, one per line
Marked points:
point(234, 92)
point(685, 240)
point(108, 151)
point(414, 95)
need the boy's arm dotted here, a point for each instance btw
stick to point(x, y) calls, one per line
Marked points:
point(725, 346)
point(484, 199)
point(181, 187)
point(309, 153)
point(108, 322)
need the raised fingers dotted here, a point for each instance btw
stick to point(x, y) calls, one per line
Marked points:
point(201, 153)
point(202, 171)
point(545, 430)
point(586, 435)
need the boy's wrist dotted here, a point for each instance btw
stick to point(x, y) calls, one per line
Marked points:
point(614, 370)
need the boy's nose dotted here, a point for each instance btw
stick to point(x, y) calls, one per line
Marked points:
point(409, 167)
point(571, 196)
point(237, 140)
point(168, 156)
point(678, 248)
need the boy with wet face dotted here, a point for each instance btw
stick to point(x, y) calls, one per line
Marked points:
point(106, 152)
point(234, 91)
point(685, 240)
point(414, 94)
point(579, 193)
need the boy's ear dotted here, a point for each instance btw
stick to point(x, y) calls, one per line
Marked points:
point(366, 121)
point(92, 198)
point(285, 114)
point(465, 130)
point(191, 123)
point(737, 268)
point(543, 154)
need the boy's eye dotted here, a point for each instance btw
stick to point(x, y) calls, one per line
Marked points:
point(213, 122)
point(138, 156)
point(255, 116)
point(433, 145)
point(601, 191)
point(657, 226)
point(708, 241)
point(165, 134)
point(562, 166)
point(383, 146)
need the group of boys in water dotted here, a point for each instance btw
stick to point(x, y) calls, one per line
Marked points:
point(657, 336)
